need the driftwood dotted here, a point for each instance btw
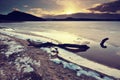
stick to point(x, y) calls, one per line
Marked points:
point(73, 47)
point(103, 42)
point(69, 47)
point(40, 44)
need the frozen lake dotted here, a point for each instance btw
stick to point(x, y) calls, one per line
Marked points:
point(93, 30)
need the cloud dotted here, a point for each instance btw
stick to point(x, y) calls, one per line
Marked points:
point(25, 6)
point(37, 11)
point(41, 12)
point(77, 5)
point(16, 9)
point(57, 7)
point(71, 5)
point(113, 7)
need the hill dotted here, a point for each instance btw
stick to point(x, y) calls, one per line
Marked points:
point(19, 16)
point(16, 16)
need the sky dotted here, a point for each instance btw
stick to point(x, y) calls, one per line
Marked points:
point(56, 7)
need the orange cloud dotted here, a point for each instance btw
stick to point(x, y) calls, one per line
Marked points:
point(41, 12)
point(71, 6)
point(65, 7)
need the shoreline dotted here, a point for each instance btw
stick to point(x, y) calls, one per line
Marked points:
point(46, 69)
point(63, 73)
point(83, 41)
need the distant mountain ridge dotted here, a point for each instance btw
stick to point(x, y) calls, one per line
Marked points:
point(16, 16)
point(86, 16)
point(20, 16)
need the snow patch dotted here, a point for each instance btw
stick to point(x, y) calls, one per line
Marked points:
point(9, 29)
point(26, 64)
point(2, 72)
point(13, 47)
point(25, 36)
point(79, 70)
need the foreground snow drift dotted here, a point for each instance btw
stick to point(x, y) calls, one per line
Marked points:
point(25, 63)
point(13, 47)
point(79, 70)
point(14, 56)
point(71, 57)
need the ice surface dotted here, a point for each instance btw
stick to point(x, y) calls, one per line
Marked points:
point(66, 37)
point(70, 56)
point(88, 63)
point(24, 36)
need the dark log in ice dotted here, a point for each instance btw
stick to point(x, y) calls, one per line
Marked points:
point(103, 42)
point(69, 47)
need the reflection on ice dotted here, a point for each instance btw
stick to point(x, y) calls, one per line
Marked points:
point(63, 37)
point(68, 55)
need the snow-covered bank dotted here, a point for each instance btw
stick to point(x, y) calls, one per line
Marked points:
point(79, 70)
point(14, 59)
point(13, 47)
point(25, 64)
point(70, 56)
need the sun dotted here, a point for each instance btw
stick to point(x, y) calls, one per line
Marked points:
point(69, 12)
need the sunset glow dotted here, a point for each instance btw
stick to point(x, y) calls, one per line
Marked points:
point(58, 7)
point(69, 12)
point(71, 7)
point(60, 39)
